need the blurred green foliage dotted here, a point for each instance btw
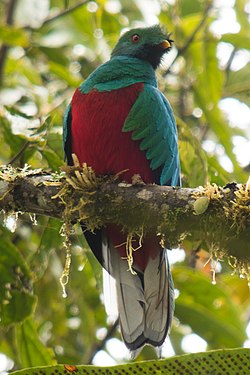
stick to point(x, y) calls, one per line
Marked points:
point(43, 58)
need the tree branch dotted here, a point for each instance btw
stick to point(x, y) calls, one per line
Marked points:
point(4, 48)
point(229, 64)
point(101, 345)
point(9, 21)
point(218, 216)
point(65, 12)
point(20, 152)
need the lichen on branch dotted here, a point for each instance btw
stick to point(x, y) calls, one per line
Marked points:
point(218, 216)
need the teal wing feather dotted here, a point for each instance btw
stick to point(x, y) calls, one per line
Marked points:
point(67, 135)
point(152, 122)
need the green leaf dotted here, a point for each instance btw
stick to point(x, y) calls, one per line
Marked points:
point(15, 142)
point(13, 36)
point(242, 14)
point(211, 363)
point(239, 40)
point(212, 76)
point(20, 305)
point(52, 158)
point(208, 309)
point(187, 7)
point(201, 205)
point(238, 85)
point(49, 239)
point(66, 4)
point(239, 288)
point(16, 299)
point(18, 69)
point(189, 23)
point(219, 126)
point(210, 79)
point(16, 112)
point(54, 54)
point(63, 73)
point(30, 349)
point(217, 174)
point(207, 90)
point(110, 22)
point(44, 128)
point(193, 158)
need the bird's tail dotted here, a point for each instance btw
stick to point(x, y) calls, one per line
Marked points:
point(145, 300)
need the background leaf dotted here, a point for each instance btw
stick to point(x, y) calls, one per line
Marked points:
point(228, 361)
point(31, 351)
point(208, 309)
point(16, 299)
point(13, 36)
point(239, 40)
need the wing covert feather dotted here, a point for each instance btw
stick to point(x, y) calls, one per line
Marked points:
point(151, 121)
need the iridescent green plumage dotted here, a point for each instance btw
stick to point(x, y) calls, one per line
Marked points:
point(151, 120)
point(119, 121)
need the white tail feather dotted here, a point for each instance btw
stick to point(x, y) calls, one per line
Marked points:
point(156, 285)
point(145, 301)
point(129, 293)
point(110, 296)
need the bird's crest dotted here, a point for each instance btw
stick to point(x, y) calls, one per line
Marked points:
point(148, 43)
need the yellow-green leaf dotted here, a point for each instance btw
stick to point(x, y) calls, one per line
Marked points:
point(201, 205)
point(31, 350)
point(240, 40)
point(13, 36)
point(16, 299)
point(213, 362)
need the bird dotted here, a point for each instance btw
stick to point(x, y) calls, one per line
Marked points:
point(118, 120)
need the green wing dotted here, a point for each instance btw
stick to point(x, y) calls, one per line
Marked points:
point(151, 121)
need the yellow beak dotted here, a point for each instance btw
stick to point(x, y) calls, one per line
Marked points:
point(165, 44)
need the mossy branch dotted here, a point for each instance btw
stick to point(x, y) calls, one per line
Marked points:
point(220, 216)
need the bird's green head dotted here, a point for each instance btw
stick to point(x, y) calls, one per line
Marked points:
point(149, 43)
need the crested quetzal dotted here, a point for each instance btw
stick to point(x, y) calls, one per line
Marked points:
point(117, 121)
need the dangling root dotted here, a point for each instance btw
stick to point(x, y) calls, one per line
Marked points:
point(130, 249)
point(216, 256)
point(64, 279)
point(241, 267)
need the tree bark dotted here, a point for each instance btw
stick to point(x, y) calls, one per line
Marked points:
point(218, 216)
point(10, 8)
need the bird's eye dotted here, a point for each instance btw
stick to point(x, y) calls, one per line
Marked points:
point(135, 38)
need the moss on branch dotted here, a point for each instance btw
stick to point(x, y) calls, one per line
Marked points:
point(220, 216)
